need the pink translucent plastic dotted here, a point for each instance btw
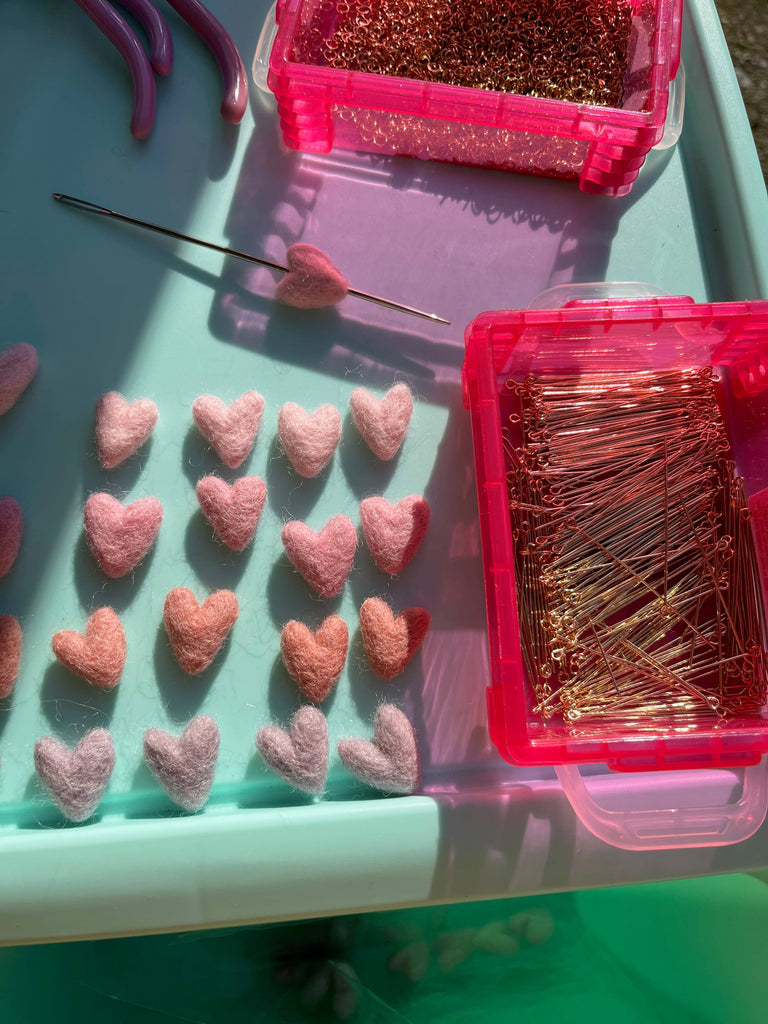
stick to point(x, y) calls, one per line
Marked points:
point(638, 333)
point(601, 148)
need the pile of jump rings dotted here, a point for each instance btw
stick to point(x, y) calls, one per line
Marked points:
point(638, 587)
point(573, 50)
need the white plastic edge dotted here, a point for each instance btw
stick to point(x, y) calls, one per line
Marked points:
point(260, 66)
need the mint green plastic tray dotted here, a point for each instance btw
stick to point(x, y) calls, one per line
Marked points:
point(108, 308)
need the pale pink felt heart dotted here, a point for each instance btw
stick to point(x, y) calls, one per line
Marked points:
point(119, 536)
point(390, 642)
point(230, 429)
point(391, 762)
point(412, 960)
point(233, 511)
point(325, 558)
point(11, 530)
point(299, 756)
point(394, 532)
point(312, 281)
point(76, 779)
point(99, 655)
point(315, 660)
point(10, 653)
point(185, 767)
point(197, 631)
point(18, 366)
point(382, 423)
point(122, 427)
point(309, 439)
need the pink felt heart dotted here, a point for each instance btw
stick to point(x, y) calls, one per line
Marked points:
point(11, 530)
point(197, 631)
point(122, 427)
point(18, 366)
point(309, 439)
point(99, 655)
point(76, 779)
point(312, 281)
point(233, 511)
point(184, 767)
point(394, 532)
point(382, 424)
point(299, 756)
point(120, 536)
point(391, 642)
point(230, 429)
point(10, 653)
point(325, 558)
point(391, 761)
point(315, 660)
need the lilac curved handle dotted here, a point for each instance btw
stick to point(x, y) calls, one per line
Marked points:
point(156, 27)
point(118, 31)
point(220, 43)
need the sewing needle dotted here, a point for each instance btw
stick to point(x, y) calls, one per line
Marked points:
point(84, 204)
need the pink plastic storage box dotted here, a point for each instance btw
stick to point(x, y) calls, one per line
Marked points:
point(602, 148)
point(584, 336)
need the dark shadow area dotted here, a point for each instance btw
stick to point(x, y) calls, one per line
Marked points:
point(365, 473)
point(289, 494)
point(368, 690)
point(290, 597)
point(96, 590)
point(182, 694)
point(73, 706)
point(217, 566)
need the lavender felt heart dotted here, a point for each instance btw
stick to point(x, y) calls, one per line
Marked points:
point(76, 779)
point(299, 756)
point(184, 767)
point(391, 762)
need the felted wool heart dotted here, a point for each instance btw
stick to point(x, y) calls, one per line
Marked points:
point(184, 767)
point(99, 655)
point(11, 530)
point(18, 366)
point(122, 427)
point(391, 762)
point(412, 960)
point(197, 631)
point(315, 660)
point(394, 532)
point(309, 439)
point(382, 424)
point(233, 511)
point(76, 779)
point(312, 281)
point(230, 429)
point(325, 558)
point(299, 756)
point(391, 642)
point(120, 536)
point(10, 653)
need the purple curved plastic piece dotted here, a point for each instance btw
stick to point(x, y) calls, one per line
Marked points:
point(220, 43)
point(156, 27)
point(119, 32)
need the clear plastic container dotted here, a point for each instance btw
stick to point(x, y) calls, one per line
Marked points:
point(602, 148)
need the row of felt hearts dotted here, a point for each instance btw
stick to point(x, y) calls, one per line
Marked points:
point(185, 765)
point(309, 439)
point(197, 633)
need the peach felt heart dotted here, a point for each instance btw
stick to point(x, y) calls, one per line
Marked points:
point(18, 366)
point(312, 281)
point(391, 642)
point(99, 655)
point(11, 530)
point(299, 756)
point(233, 511)
point(119, 536)
point(394, 532)
point(230, 429)
point(315, 660)
point(382, 424)
point(10, 653)
point(309, 439)
point(76, 779)
point(184, 767)
point(122, 427)
point(325, 558)
point(391, 761)
point(197, 631)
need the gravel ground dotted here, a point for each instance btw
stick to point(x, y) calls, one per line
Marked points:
point(745, 24)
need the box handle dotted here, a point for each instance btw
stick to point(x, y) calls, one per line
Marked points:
point(260, 66)
point(671, 828)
